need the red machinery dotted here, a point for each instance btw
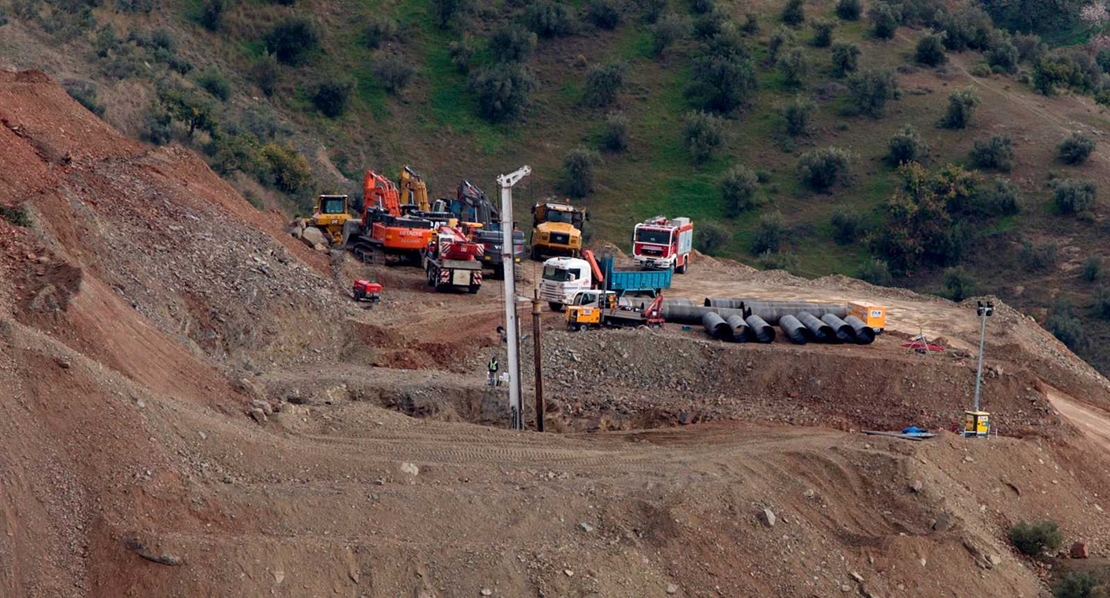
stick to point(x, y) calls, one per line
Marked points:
point(400, 237)
point(364, 290)
point(453, 261)
point(663, 244)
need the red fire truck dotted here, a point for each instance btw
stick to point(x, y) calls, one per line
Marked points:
point(663, 244)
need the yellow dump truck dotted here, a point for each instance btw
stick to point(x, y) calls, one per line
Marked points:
point(556, 230)
point(872, 315)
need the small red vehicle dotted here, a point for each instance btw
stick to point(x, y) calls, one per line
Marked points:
point(367, 291)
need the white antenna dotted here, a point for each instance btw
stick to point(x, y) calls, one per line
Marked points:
point(512, 332)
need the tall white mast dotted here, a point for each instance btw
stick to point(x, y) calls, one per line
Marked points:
point(512, 331)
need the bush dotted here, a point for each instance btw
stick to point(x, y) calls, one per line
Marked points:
point(1034, 539)
point(1075, 148)
point(212, 15)
point(652, 10)
point(918, 230)
point(1102, 303)
point(447, 12)
point(961, 106)
point(236, 152)
point(702, 7)
point(15, 216)
point(289, 170)
point(793, 67)
point(614, 137)
point(768, 234)
point(162, 39)
point(876, 272)
point(604, 14)
point(502, 90)
point(1075, 196)
point(710, 238)
point(794, 12)
point(292, 40)
point(822, 32)
point(751, 24)
point(738, 191)
point(332, 97)
point(848, 226)
point(1092, 268)
point(214, 82)
point(137, 6)
point(578, 171)
point(1000, 197)
point(1065, 326)
point(798, 115)
point(462, 53)
point(821, 169)
point(870, 91)
point(966, 27)
point(188, 108)
point(845, 59)
point(930, 50)
point(906, 146)
point(780, 38)
point(379, 30)
point(958, 284)
point(666, 31)
point(393, 72)
point(995, 153)
point(1074, 70)
point(702, 134)
point(512, 43)
point(884, 19)
point(265, 73)
point(1003, 56)
point(85, 92)
point(1078, 585)
point(1029, 47)
point(1037, 258)
point(1103, 59)
point(849, 10)
point(778, 261)
point(721, 84)
point(549, 19)
point(157, 126)
point(604, 83)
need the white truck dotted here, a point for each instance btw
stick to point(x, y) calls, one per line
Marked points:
point(564, 278)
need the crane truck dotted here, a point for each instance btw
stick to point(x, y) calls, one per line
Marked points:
point(478, 214)
point(556, 230)
point(564, 278)
point(453, 261)
point(663, 244)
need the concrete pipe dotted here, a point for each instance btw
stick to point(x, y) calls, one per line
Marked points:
point(716, 326)
point(771, 311)
point(865, 335)
point(684, 313)
point(844, 332)
point(740, 331)
point(726, 303)
point(760, 329)
point(822, 332)
point(795, 330)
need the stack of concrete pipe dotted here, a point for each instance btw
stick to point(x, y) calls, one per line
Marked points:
point(744, 320)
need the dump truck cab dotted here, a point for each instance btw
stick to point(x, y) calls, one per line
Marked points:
point(556, 230)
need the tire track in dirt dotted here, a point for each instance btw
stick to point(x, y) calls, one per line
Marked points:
point(1094, 422)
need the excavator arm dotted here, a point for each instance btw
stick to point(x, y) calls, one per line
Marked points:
point(415, 189)
point(380, 192)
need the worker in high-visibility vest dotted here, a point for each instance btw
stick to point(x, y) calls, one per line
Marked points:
point(493, 367)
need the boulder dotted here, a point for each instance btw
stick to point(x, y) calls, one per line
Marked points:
point(1080, 550)
point(313, 236)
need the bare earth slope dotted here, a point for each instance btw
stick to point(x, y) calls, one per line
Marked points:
point(147, 306)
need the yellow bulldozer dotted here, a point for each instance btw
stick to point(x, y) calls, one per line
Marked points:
point(329, 215)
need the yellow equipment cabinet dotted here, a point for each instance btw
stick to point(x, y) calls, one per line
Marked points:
point(977, 423)
point(874, 316)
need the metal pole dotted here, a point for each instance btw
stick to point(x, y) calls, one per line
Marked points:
point(979, 371)
point(512, 327)
point(537, 350)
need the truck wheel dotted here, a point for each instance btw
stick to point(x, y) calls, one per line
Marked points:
point(555, 306)
point(473, 289)
point(583, 328)
point(682, 269)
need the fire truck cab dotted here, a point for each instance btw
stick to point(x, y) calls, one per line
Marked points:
point(663, 244)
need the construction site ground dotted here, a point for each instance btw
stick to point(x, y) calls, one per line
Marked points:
point(194, 406)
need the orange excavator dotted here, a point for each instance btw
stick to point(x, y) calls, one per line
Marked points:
point(399, 237)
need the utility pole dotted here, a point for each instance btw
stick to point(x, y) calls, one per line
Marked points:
point(537, 352)
point(512, 328)
point(978, 422)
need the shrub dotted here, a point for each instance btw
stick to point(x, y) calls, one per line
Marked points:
point(265, 73)
point(462, 53)
point(793, 67)
point(549, 19)
point(712, 23)
point(15, 216)
point(1036, 258)
point(666, 31)
point(845, 59)
point(794, 12)
point(995, 153)
point(738, 191)
point(512, 43)
point(710, 238)
point(1034, 539)
point(1078, 585)
point(958, 284)
point(1092, 268)
point(157, 126)
point(1102, 58)
point(502, 90)
point(849, 10)
point(778, 261)
point(848, 226)
point(378, 30)
point(1003, 56)
point(188, 108)
point(162, 39)
point(930, 50)
point(906, 146)
point(961, 106)
point(1075, 70)
point(919, 229)
point(604, 14)
point(966, 27)
point(136, 6)
point(85, 92)
point(768, 234)
point(231, 152)
point(884, 19)
point(332, 97)
point(578, 171)
point(822, 32)
point(393, 72)
point(780, 38)
point(214, 82)
point(821, 169)
point(289, 170)
point(721, 84)
point(614, 137)
point(702, 134)
point(447, 12)
point(652, 10)
point(1029, 47)
point(1075, 148)
point(212, 15)
point(1000, 197)
point(870, 91)
point(876, 272)
point(1074, 196)
point(702, 7)
point(292, 40)
point(798, 115)
point(1065, 326)
point(604, 83)
point(750, 25)
point(1102, 303)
